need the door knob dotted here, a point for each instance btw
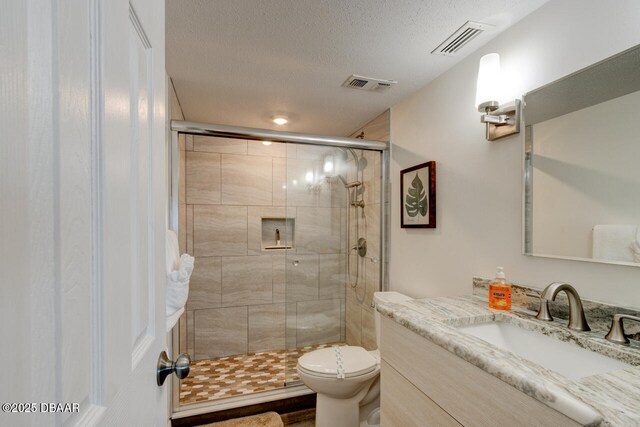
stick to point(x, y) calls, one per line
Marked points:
point(166, 366)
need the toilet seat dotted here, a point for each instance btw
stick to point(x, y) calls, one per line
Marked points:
point(322, 363)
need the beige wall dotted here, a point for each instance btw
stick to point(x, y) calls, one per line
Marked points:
point(479, 183)
point(243, 297)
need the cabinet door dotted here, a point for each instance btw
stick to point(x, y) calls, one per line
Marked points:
point(398, 395)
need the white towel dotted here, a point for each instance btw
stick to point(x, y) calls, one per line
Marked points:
point(172, 250)
point(615, 242)
point(179, 269)
point(178, 284)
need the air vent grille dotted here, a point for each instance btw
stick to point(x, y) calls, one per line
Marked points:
point(463, 35)
point(368, 83)
point(358, 82)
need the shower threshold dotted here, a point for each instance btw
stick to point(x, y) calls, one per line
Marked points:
point(242, 374)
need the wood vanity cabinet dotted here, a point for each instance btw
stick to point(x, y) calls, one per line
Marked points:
point(425, 385)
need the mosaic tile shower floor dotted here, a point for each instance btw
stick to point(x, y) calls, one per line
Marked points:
point(224, 377)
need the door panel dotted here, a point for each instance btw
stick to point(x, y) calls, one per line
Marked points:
point(85, 172)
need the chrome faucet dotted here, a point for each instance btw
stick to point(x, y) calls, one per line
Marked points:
point(616, 332)
point(577, 321)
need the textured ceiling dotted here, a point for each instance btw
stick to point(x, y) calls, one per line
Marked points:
point(239, 62)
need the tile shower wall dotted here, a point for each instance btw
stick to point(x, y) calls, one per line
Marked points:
point(360, 311)
point(244, 298)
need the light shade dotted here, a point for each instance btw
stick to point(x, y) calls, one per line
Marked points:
point(487, 90)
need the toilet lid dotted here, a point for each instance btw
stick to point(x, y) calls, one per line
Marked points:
point(356, 361)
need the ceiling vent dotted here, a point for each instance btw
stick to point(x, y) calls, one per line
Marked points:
point(368, 83)
point(456, 41)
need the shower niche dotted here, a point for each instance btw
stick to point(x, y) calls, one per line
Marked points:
point(278, 234)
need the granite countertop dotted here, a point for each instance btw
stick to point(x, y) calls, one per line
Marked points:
point(609, 399)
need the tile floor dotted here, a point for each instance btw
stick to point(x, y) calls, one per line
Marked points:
point(223, 377)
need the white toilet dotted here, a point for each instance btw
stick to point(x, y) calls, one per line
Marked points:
point(347, 379)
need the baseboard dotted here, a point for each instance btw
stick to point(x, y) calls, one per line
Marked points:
point(292, 410)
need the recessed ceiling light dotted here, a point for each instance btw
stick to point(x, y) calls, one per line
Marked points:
point(280, 120)
point(267, 143)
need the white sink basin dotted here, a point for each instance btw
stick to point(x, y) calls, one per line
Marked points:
point(562, 357)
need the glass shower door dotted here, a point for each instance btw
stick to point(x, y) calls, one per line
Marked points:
point(315, 266)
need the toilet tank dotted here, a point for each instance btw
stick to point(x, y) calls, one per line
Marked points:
point(393, 297)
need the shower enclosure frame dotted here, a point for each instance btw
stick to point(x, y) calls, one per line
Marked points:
point(193, 128)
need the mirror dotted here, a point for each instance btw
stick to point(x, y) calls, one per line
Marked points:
point(582, 164)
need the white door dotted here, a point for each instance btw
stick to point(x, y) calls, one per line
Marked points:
point(83, 212)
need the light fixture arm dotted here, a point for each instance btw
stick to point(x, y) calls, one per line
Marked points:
point(502, 121)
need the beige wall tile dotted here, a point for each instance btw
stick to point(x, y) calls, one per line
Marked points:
point(372, 215)
point(190, 337)
point(344, 236)
point(203, 178)
point(220, 332)
point(372, 176)
point(246, 180)
point(299, 192)
point(318, 230)
point(292, 150)
point(291, 314)
point(213, 144)
point(368, 329)
point(279, 181)
point(182, 333)
point(279, 278)
point(188, 143)
point(205, 287)
point(314, 152)
point(276, 149)
point(356, 269)
point(378, 129)
point(267, 327)
point(219, 230)
point(302, 280)
point(372, 281)
point(339, 194)
point(318, 322)
point(182, 228)
point(343, 320)
point(246, 280)
point(354, 319)
point(182, 174)
point(189, 227)
point(333, 276)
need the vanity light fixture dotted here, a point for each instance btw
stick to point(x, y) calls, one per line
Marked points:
point(281, 120)
point(500, 120)
point(267, 143)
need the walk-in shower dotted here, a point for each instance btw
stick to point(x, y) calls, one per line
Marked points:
point(287, 241)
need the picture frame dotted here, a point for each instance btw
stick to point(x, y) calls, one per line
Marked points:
point(418, 196)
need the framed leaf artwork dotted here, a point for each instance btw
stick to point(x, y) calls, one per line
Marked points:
point(418, 193)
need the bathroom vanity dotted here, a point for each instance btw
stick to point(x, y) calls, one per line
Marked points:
point(437, 369)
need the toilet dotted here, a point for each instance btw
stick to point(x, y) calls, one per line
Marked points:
point(347, 379)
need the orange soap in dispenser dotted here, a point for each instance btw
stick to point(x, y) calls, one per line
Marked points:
point(499, 292)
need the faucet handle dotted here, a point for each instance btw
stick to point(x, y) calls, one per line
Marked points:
point(543, 311)
point(616, 331)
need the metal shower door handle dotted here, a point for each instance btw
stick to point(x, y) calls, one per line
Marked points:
point(166, 367)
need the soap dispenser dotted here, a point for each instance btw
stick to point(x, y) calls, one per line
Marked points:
point(499, 292)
